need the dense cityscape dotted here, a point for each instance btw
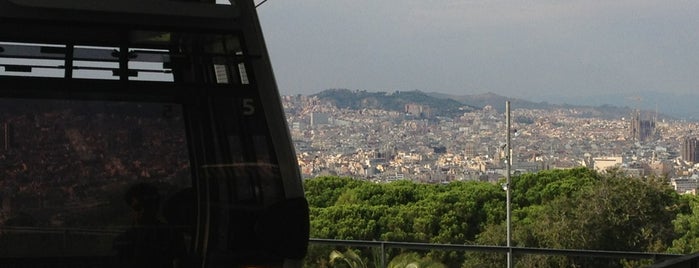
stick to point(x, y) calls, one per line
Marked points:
point(414, 144)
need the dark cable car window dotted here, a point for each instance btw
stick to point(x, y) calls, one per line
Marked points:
point(150, 57)
point(34, 60)
point(68, 167)
point(150, 65)
point(96, 62)
point(247, 165)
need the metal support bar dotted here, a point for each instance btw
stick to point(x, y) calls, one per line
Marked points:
point(508, 187)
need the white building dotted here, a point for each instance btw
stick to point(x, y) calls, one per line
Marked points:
point(606, 162)
point(685, 185)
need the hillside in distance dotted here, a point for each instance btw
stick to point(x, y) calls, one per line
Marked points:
point(498, 102)
point(452, 105)
point(394, 101)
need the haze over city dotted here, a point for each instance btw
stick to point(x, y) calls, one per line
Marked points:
point(554, 51)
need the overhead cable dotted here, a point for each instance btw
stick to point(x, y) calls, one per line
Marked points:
point(259, 4)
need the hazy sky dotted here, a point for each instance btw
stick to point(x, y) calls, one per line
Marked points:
point(516, 48)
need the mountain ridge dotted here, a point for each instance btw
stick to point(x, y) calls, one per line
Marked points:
point(395, 101)
point(454, 105)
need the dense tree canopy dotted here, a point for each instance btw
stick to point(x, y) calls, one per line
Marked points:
point(570, 209)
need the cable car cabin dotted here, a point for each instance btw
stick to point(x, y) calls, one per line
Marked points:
point(138, 133)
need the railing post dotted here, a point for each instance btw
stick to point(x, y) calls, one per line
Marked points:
point(383, 255)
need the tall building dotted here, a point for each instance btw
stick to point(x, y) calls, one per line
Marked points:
point(418, 110)
point(641, 130)
point(690, 149)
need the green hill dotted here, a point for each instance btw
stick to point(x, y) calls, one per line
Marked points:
point(394, 101)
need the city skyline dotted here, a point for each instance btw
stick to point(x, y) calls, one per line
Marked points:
point(386, 145)
point(539, 50)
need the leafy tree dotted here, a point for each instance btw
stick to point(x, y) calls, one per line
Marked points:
point(538, 188)
point(686, 226)
point(323, 192)
point(414, 260)
point(606, 212)
point(571, 209)
point(348, 259)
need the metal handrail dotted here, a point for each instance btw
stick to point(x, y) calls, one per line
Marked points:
point(496, 249)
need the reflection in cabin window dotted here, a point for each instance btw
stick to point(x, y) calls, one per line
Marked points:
point(66, 167)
